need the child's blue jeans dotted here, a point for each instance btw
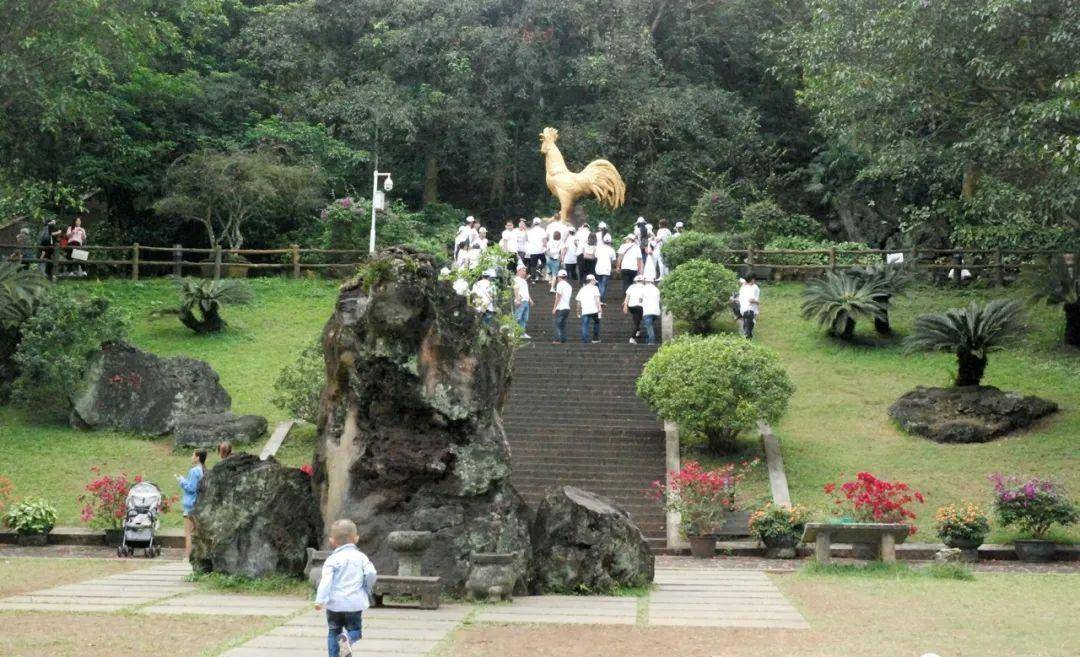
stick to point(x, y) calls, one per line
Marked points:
point(338, 620)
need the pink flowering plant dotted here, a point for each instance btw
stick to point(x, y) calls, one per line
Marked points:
point(103, 501)
point(869, 499)
point(1032, 504)
point(701, 497)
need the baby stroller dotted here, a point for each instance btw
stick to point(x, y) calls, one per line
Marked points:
point(141, 509)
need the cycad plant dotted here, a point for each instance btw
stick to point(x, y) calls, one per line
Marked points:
point(201, 301)
point(892, 281)
point(971, 333)
point(20, 290)
point(836, 300)
point(1061, 285)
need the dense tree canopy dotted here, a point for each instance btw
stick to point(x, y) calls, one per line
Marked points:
point(884, 122)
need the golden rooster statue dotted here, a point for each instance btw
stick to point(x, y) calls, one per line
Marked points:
point(600, 179)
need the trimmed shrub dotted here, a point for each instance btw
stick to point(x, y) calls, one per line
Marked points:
point(715, 210)
point(765, 220)
point(57, 342)
point(694, 245)
point(298, 388)
point(718, 386)
point(695, 291)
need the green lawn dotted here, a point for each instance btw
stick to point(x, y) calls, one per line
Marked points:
point(51, 460)
point(837, 424)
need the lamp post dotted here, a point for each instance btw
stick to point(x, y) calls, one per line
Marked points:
point(377, 199)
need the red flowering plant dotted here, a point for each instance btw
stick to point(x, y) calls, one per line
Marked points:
point(103, 501)
point(701, 497)
point(869, 499)
point(307, 469)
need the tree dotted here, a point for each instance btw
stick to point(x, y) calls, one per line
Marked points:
point(836, 300)
point(1061, 285)
point(223, 191)
point(971, 333)
point(201, 301)
point(764, 220)
point(718, 386)
point(696, 290)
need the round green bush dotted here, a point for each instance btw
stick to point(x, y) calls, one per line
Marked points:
point(33, 515)
point(715, 210)
point(718, 386)
point(765, 220)
point(694, 245)
point(696, 290)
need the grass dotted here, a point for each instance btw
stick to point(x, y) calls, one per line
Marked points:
point(24, 574)
point(892, 571)
point(49, 459)
point(270, 585)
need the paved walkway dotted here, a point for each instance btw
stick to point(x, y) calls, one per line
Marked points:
point(387, 631)
point(720, 598)
point(572, 609)
point(113, 593)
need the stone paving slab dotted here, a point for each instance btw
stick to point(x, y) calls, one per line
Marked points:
point(107, 594)
point(720, 598)
point(229, 605)
point(65, 608)
point(536, 618)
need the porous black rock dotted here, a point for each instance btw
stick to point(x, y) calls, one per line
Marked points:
point(585, 543)
point(967, 414)
point(210, 429)
point(132, 390)
point(410, 433)
point(254, 518)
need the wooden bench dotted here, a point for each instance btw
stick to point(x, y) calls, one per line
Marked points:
point(882, 536)
point(427, 589)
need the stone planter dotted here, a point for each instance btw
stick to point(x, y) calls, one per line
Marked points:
point(114, 537)
point(32, 540)
point(702, 547)
point(409, 546)
point(1035, 551)
point(491, 577)
point(782, 547)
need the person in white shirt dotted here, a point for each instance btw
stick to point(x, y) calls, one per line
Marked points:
point(662, 233)
point(473, 255)
point(587, 241)
point(483, 293)
point(346, 586)
point(605, 256)
point(629, 261)
point(632, 304)
point(508, 240)
point(521, 239)
point(522, 300)
point(749, 305)
point(589, 309)
point(678, 228)
point(650, 309)
point(553, 256)
point(561, 308)
point(461, 239)
point(535, 245)
point(568, 256)
point(481, 238)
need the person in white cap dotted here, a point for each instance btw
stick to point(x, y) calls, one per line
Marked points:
point(650, 309)
point(522, 300)
point(569, 254)
point(605, 256)
point(483, 295)
point(632, 304)
point(602, 228)
point(535, 246)
point(678, 227)
point(482, 240)
point(589, 309)
point(462, 238)
point(641, 232)
point(561, 309)
point(521, 240)
point(629, 261)
point(553, 257)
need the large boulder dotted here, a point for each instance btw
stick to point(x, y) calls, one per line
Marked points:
point(966, 414)
point(254, 518)
point(133, 390)
point(410, 432)
point(585, 543)
point(210, 429)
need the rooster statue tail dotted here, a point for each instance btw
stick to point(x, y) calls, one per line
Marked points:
point(605, 182)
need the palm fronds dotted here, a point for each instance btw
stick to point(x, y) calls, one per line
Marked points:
point(20, 291)
point(836, 300)
point(971, 333)
point(1061, 284)
point(201, 301)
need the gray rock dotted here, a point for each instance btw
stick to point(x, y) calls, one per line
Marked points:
point(212, 428)
point(948, 555)
point(410, 432)
point(585, 543)
point(255, 518)
point(133, 390)
point(967, 414)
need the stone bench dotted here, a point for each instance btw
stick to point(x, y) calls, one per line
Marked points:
point(427, 589)
point(882, 537)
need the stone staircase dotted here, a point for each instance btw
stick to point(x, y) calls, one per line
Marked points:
point(573, 417)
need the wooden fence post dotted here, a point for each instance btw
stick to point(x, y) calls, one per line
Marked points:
point(1000, 262)
point(177, 257)
point(55, 257)
point(217, 261)
point(832, 258)
point(135, 261)
point(295, 260)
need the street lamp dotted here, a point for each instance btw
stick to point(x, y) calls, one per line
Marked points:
point(378, 202)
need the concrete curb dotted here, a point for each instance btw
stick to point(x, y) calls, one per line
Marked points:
point(168, 538)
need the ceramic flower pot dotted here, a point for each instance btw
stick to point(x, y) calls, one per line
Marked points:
point(963, 543)
point(1035, 551)
point(702, 547)
point(781, 547)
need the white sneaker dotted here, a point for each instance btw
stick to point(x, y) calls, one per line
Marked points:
point(633, 341)
point(526, 336)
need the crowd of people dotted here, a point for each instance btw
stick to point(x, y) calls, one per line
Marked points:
point(556, 252)
point(39, 253)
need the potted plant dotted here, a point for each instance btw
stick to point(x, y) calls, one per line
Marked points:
point(1033, 505)
point(779, 529)
point(702, 498)
point(104, 500)
point(963, 527)
point(868, 499)
point(32, 519)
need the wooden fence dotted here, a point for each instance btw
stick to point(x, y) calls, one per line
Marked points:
point(137, 261)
